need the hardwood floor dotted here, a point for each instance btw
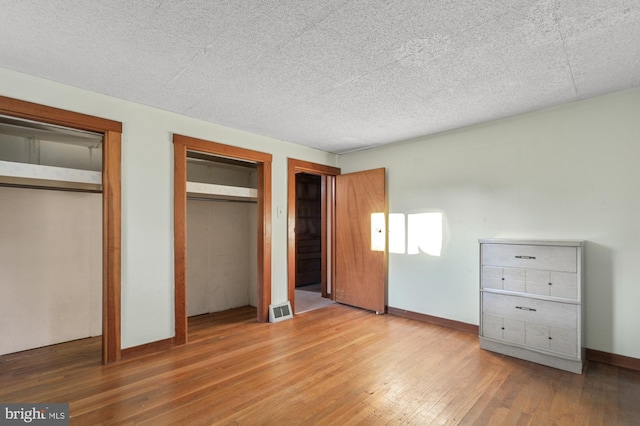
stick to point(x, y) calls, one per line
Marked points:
point(336, 365)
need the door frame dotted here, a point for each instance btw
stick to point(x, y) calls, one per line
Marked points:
point(294, 167)
point(181, 144)
point(111, 206)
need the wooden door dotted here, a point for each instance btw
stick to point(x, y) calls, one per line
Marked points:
point(308, 229)
point(360, 268)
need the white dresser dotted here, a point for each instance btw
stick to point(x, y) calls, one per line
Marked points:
point(531, 300)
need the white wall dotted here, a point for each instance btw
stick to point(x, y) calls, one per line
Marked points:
point(569, 172)
point(147, 195)
point(50, 267)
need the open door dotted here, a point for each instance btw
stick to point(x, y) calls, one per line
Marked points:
point(360, 229)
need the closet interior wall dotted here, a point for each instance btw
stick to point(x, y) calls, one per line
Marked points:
point(221, 240)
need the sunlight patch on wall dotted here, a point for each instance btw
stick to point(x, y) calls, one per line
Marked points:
point(424, 233)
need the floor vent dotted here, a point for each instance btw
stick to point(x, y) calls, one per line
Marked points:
point(280, 312)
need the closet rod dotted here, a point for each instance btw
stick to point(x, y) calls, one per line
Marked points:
point(221, 200)
point(51, 188)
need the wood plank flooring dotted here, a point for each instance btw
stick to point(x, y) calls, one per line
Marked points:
point(336, 366)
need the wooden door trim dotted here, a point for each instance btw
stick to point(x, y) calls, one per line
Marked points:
point(293, 167)
point(57, 116)
point(111, 205)
point(323, 233)
point(180, 145)
point(112, 246)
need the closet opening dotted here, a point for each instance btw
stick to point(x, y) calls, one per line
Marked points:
point(69, 122)
point(50, 235)
point(222, 230)
point(222, 218)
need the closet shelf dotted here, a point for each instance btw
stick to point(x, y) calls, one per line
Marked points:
point(214, 191)
point(35, 174)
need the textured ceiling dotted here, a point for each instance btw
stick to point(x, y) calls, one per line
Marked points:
point(338, 75)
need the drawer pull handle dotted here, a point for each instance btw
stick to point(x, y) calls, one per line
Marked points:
point(524, 308)
point(525, 257)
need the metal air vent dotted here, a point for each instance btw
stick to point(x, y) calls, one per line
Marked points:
point(280, 312)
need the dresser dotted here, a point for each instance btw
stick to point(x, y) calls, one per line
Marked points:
point(531, 300)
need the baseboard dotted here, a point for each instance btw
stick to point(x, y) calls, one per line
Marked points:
point(147, 348)
point(456, 325)
point(613, 359)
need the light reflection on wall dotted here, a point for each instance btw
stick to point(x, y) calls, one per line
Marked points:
point(423, 233)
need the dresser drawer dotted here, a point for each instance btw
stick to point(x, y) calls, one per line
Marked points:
point(497, 327)
point(532, 281)
point(554, 339)
point(553, 258)
point(550, 283)
point(542, 312)
point(510, 279)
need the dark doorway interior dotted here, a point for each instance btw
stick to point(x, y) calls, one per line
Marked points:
point(308, 229)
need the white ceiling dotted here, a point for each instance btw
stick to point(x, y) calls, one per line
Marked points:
point(338, 75)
